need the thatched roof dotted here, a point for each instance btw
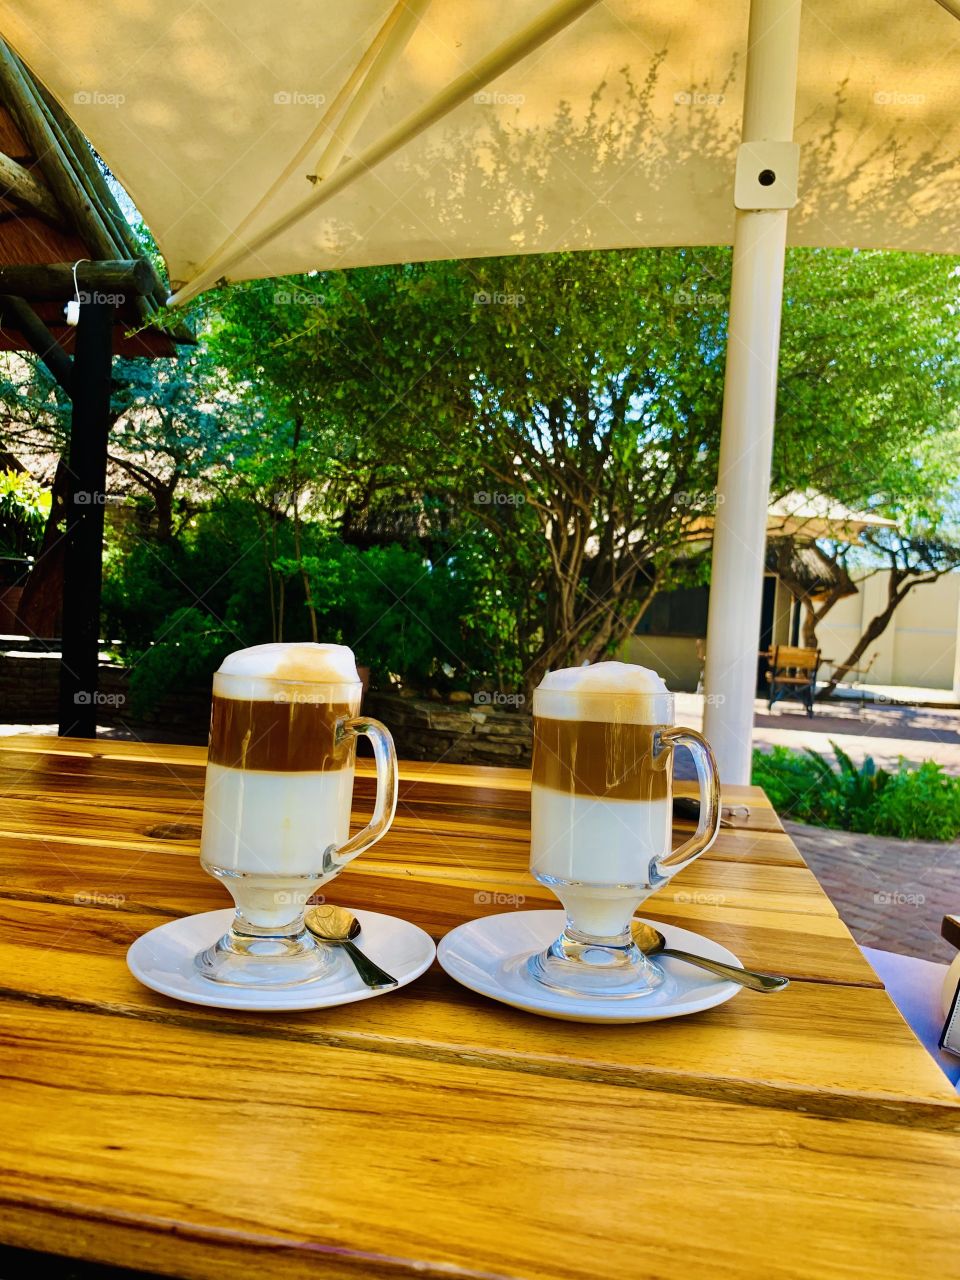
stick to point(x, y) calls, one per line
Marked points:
point(806, 570)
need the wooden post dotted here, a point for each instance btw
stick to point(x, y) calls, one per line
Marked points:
point(83, 570)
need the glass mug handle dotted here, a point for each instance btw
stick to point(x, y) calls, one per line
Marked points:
point(385, 806)
point(709, 780)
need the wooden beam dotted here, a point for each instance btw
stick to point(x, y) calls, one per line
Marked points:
point(50, 282)
point(23, 318)
point(20, 187)
point(83, 564)
point(20, 98)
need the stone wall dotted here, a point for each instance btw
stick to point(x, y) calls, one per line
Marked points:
point(423, 728)
point(457, 733)
point(29, 693)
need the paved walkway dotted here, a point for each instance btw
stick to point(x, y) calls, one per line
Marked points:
point(885, 731)
point(891, 894)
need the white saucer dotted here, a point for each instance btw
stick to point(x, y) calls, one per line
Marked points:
point(490, 955)
point(163, 960)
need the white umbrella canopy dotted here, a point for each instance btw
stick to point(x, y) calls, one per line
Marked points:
point(201, 110)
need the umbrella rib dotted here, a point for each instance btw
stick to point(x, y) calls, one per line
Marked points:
point(409, 14)
point(351, 106)
point(548, 24)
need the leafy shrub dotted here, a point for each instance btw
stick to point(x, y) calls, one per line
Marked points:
point(919, 804)
point(226, 581)
point(185, 656)
point(217, 565)
point(402, 613)
point(913, 803)
point(24, 507)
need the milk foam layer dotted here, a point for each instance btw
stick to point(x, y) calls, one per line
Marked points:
point(253, 672)
point(272, 828)
point(606, 691)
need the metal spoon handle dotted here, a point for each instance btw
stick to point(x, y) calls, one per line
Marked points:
point(369, 971)
point(764, 982)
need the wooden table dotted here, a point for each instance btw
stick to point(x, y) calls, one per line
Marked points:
point(432, 1132)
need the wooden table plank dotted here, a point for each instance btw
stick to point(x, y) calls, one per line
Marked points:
point(406, 1167)
point(807, 1043)
point(773, 918)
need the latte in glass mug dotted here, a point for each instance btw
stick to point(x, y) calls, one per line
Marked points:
point(277, 800)
point(601, 817)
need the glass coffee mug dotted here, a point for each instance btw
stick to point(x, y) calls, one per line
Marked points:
point(601, 822)
point(277, 799)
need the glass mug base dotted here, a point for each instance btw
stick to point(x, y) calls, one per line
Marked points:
point(584, 966)
point(267, 944)
point(250, 957)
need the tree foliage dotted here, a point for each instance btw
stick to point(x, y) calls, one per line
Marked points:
point(570, 405)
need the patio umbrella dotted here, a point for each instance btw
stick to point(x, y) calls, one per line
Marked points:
point(803, 517)
point(260, 140)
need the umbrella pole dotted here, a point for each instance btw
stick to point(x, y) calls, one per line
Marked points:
point(765, 190)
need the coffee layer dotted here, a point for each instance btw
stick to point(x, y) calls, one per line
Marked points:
point(599, 758)
point(279, 737)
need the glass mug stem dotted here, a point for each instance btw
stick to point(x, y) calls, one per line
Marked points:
point(595, 955)
point(270, 952)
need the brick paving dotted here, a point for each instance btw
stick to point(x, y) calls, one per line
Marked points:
point(892, 894)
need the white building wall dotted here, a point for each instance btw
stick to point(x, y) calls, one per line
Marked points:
point(918, 648)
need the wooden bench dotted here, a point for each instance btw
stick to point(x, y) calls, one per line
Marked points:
point(792, 673)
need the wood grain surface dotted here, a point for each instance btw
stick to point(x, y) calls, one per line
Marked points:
point(432, 1132)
